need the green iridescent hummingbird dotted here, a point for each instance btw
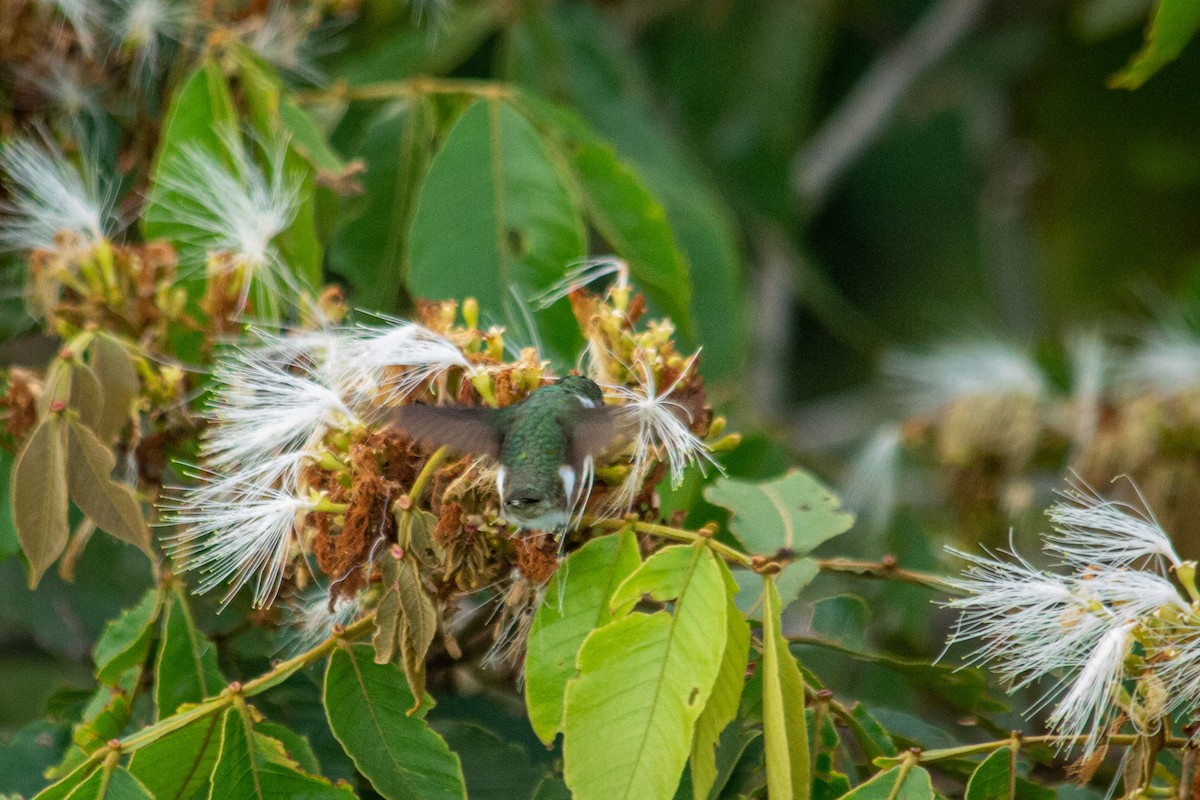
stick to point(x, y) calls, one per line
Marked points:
point(545, 445)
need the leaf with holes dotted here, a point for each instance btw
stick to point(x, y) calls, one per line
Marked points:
point(793, 513)
point(367, 705)
point(644, 679)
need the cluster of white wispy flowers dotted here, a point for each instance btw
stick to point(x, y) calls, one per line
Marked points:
point(228, 210)
point(273, 404)
point(144, 28)
point(50, 198)
point(1076, 625)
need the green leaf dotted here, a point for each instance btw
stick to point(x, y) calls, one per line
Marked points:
point(996, 778)
point(793, 513)
point(102, 785)
point(371, 250)
point(115, 370)
point(252, 766)
point(625, 212)
point(644, 679)
point(897, 783)
point(186, 669)
point(494, 769)
point(294, 744)
point(126, 639)
point(494, 199)
point(585, 582)
point(28, 754)
point(178, 765)
point(9, 544)
point(107, 503)
point(842, 619)
point(722, 705)
point(87, 396)
point(872, 736)
point(1175, 23)
point(366, 704)
point(39, 496)
point(201, 111)
point(785, 729)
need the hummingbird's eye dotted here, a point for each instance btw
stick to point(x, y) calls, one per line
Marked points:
point(526, 497)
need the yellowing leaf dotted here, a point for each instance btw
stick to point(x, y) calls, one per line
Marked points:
point(722, 704)
point(39, 496)
point(585, 582)
point(119, 382)
point(405, 623)
point(785, 731)
point(109, 504)
point(644, 679)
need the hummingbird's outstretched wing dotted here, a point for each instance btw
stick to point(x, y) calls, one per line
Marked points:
point(465, 429)
point(594, 429)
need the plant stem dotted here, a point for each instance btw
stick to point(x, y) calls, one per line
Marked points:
point(677, 534)
point(1173, 742)
point(885, 570)
point(278, 674)
point(412, 87)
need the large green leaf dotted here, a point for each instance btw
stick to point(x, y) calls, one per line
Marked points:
point(494, 769)
point(252, 766)
point(1175, 23)
point(176, 766)
point(625, 212)
point(201, 112)
point(794, 513)
point(39, 491)
point(997, 778)
point(494, 218)
point(644, 679)
point(785, 730)
point(585, 583)
point(722, 705)
point(897, 783)
point(186, 669)
point(367, 705)
point(28, 754)
point(371, 250)
point(575, 54)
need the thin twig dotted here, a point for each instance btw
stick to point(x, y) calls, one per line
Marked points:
point(870, 104)
point(411, 87)
point(886, 570)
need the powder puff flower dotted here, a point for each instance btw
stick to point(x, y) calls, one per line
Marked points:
point(870, 485)
point(423, 354)
point(1168, 363)
point(144, 27)
point(1075, 628)
point(1088, 529)
point(49, 197)
point(232, 212)
point(955, 371)
point(284, 38)
point(659, 428)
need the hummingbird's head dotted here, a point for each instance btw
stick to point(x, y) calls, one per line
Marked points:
point(532, 505)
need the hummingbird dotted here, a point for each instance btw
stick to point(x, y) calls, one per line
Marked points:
point(545, 445)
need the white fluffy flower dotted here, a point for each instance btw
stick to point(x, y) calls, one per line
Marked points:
point(422, 354)
point(1168, 363)
point(284, 38)
point(1089, 529)
point(955, 371)
point(870, 485)
point(50, 197)
point(234, 209)
point(242, 534)
point(145, 26)
point(1075, 628)
point(660, 431)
